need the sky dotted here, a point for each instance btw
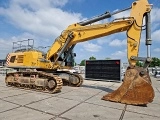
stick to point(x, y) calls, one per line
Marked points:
point(44, 21)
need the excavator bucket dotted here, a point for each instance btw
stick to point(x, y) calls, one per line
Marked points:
point(136, 88)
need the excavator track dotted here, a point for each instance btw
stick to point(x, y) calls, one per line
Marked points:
point(39, 81)
point(71, 79)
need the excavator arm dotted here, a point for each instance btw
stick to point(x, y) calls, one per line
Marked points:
point(136, 88)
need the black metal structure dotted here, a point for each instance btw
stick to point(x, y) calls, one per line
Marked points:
point(106, 70)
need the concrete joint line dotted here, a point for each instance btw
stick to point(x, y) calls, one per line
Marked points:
point(78, 104)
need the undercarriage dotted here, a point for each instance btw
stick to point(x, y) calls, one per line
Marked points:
point(42, 81)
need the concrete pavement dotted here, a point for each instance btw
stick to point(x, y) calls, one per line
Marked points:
point(73, 103)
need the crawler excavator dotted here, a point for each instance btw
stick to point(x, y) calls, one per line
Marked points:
point(49, 76)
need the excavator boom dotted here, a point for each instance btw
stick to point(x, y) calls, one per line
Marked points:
point(76, 34)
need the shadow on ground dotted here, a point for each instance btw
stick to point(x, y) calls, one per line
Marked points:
point(98, 87)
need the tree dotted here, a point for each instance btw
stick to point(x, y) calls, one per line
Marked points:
point(107, 58)
point(92, 58)
point(155, 62)
point(75, 63)
point(138, 63)
point(82, 63)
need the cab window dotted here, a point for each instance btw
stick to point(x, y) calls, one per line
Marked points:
point(12, 59)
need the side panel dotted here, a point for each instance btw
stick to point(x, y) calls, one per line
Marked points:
point(31, 58)
point(28, 59)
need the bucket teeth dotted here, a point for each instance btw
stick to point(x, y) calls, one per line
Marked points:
point(136, 88)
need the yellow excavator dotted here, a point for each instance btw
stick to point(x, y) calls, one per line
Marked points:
point(48, 70)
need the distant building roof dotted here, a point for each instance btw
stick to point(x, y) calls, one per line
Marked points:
point(2, 60)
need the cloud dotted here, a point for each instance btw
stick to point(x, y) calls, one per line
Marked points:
point(156, 50)
point(121, 14)
point(117, 43)
point(155, 15)
point(91, 47)
point(6, 45)
point(36, 4)
point(119, 55)
point(23, 36)
point(156, 35)
point(41, 18)
point(104, 40)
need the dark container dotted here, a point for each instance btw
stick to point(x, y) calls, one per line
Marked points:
point(109, 70)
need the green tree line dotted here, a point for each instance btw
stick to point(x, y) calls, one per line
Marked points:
point(83, 61)
point(155, 61)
